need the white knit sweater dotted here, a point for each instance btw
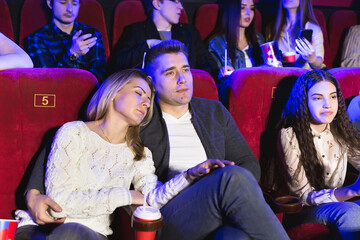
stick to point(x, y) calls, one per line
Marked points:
point(90, 177)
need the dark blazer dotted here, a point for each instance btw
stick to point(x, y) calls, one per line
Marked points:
point(130, 49)
point(216, 129)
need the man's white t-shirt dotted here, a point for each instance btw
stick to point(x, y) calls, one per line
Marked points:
point(186, 149)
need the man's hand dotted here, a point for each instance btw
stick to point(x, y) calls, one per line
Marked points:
point(38, 204)
point(81, 44)
point(205, 167)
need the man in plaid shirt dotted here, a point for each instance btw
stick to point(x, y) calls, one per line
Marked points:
point(66, 43)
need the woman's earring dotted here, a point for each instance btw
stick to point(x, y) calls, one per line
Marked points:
point(112, 99)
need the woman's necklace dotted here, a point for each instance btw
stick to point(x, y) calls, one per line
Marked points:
point(102, 130)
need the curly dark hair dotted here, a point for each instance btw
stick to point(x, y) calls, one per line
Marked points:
point(296, 114)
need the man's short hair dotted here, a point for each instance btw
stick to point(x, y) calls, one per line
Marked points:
point(167, 46)
point(52, 2)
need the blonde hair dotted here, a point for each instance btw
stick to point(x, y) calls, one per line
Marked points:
point(100, 102)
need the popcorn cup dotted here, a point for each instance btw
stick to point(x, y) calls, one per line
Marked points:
point(150, 215)
point(8, 229)
point(271, 54)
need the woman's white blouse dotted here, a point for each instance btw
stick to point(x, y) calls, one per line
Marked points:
point(334, 158)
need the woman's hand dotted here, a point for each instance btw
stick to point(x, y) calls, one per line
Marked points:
point(356, 186)
point(137, 198)
point(348, 192)
point(205, 167)
point(225, 72)
point(305, 49)
point(307, 52)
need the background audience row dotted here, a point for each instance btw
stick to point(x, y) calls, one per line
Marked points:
point(331, 15)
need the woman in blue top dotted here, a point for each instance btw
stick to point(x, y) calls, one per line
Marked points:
point(237, 34)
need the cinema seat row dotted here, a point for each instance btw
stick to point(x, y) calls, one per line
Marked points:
point(35, 102)
point(35, 15)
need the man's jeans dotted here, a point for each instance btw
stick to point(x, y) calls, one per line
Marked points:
point(226, 202)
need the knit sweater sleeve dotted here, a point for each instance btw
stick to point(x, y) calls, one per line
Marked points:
point(65, 185)
point(156, 193)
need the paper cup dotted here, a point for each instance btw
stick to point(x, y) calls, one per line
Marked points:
point(271, 54)
point(289, 57)
point(228, 73)
point(147, 214)
point(8, 229)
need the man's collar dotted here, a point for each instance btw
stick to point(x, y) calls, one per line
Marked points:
point(157, 105)
point(57, 30)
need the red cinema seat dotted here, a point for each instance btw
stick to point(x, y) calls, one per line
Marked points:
point(33, 102)
point(333, 3)
point(204, 85)
point(256, 98)
point(206, 18)
point(250, 97)
point(35, 14)
point(349, 79)
point(327, 53)
point(128, 12)
point(5, 20)
point(338, 23)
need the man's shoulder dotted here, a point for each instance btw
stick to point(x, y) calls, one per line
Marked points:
point(207, 105)
point(43, 31)
point(140, 25)
point(185, 27)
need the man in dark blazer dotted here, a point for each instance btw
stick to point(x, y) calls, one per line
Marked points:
point(162, 24)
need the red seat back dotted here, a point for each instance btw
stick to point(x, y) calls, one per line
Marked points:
point(254, 97)
point(5, 20)
point(35, 14)
point(33, 101)
point(204, 85)
point(338, 23)
point(250, 98)
point(327, 53)
point(206, 19)
point(334, 3)
point(128, 12)
point(349, 79)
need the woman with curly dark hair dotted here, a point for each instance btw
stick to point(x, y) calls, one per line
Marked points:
point(317, 140)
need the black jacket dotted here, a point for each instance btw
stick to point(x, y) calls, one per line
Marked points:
point(130, 49)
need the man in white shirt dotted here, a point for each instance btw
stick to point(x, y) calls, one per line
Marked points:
point(184, 130)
